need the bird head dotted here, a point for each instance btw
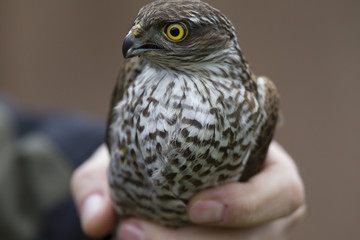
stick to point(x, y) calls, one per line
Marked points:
point(180, 32)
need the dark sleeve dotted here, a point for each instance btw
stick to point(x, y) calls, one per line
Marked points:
point(38, 153)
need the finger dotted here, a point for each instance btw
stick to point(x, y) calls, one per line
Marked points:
point(287, 223)
point(281, 228)
point(136, 229)
point(91, 194)
point(275, 192)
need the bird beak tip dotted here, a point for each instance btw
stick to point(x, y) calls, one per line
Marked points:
point(133, 46)
point(127, 45)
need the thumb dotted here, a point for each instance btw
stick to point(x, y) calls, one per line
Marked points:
point(91, 194)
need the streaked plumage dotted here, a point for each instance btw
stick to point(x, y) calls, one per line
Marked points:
point(187, 114)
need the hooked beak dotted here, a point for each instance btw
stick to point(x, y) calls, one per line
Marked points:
point(134, 46)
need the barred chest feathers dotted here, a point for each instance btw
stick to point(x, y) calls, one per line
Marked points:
point(176, 134)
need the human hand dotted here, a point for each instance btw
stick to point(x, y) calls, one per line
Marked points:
point(264, 207)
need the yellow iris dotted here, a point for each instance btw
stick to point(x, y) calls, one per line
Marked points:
point(175, 32)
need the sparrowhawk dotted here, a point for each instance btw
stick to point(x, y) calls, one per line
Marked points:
point(187, 111)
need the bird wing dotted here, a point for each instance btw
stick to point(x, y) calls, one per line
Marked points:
point(131, 69)
point(269, 98)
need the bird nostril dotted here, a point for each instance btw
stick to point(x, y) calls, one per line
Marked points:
point(137, 31)
point(136, 34)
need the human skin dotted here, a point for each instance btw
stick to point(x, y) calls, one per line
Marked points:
point(265, 207)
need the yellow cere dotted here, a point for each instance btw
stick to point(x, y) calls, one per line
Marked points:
point(136, 32)
point(175, 32)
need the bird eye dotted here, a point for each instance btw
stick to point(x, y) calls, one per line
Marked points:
point(175, 32)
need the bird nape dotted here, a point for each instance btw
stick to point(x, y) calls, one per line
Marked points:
point(187, 112)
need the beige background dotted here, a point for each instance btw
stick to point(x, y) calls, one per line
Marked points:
point(66, 54)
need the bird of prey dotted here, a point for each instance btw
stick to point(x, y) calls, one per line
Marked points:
point(187, 112)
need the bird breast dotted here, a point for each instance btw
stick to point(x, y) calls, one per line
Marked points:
point(180, 130)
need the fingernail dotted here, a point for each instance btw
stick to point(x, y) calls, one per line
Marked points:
point(91, 207)
point(130, 231)
point(208, 211)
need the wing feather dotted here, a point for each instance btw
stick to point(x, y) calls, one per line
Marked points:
point(268, 96)
point(131, 69)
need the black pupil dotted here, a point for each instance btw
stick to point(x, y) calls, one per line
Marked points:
point(174, 31)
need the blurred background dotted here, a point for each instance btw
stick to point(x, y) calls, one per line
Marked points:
point(67, 54)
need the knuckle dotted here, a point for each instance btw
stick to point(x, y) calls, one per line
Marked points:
point(81, 176)
point(76, 176)
point(300, 213)
point(242, 213)
point(297, 190)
